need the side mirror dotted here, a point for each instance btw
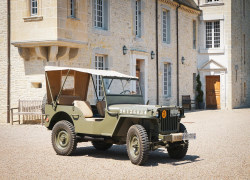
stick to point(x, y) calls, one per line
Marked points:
point(147, 102)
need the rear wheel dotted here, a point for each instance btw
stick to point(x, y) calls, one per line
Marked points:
point(137, 144)
point(178, 150)
point(64, 138)
point(101, 145)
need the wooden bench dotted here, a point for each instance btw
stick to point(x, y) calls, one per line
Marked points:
point(29, 109)
point(187, 102)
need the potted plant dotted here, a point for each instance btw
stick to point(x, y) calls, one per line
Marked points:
point(199, 97)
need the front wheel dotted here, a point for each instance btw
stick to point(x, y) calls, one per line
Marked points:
point(64, 138)
point(137, 144)
point(178, 150)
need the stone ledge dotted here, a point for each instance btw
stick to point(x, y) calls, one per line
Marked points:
point(212, 4)
point(33, 18)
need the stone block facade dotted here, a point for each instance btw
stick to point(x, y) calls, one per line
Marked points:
point(3, 61)
point(55, 37)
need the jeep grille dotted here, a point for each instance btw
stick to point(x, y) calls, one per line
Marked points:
point(168, 124)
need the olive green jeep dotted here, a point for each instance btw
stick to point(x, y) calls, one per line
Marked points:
point(120, 115)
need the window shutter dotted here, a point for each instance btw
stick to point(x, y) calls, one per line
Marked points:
point(168, 27)
point(105, 14)
point(169, 80)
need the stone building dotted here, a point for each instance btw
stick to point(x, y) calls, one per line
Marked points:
point(95, 33)
point(224, 52)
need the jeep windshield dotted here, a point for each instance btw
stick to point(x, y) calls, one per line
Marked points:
point(122, 86)
point(122, 91)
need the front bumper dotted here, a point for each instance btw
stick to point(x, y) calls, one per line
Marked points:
point(175, 137)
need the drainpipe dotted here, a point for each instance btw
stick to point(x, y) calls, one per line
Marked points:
point(156, 52)
point(8, 63)
point(177, 52)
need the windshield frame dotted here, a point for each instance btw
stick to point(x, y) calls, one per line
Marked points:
point(112, 78)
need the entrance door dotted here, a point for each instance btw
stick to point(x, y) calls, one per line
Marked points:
point(213, 92)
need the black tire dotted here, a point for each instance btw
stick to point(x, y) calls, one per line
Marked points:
point(137, 144)
point(101, 145)
point(178, 150)
point(64, 138)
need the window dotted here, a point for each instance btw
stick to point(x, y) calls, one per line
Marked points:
point(244, 48)
point(244, 8)
point(100, 64)
point(138, 18)
point(213, 34)
point(194, 34)
point(166, 26)
point(72, 8)
point(167, 80)
point(212, 1)
point(33, 7)
point(100, 14)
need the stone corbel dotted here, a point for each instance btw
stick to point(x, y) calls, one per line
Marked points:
point(24, 53)
point(63, 52)
point(41, 52)
point(53, 50)
point(73, 53)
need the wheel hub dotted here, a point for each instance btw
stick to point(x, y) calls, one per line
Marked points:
point(134, 146)
point(62, 139)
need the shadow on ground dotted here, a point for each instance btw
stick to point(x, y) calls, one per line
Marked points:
point(119, 152)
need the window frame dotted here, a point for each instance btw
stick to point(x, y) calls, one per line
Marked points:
point(98, 81)
point(96, 15)
point(138, 18)
point(212, 1)
point(33, 8)
point(167, 29)
point(72, 8)
point(194, 34)
point(168, 77)
point(212, 35)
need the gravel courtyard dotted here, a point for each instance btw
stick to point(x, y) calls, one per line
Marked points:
point(221, 151)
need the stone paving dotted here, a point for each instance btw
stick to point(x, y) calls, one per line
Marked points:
point(221, 151)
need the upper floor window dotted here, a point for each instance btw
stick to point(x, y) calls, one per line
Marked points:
point(138, 18)
point(72, 8)
point(33, 7)
point(194, 34)
point(167, 80)
point(166, 26)
point(100, 13)
point(244, 8)
point(213, 34)
point(211, 1)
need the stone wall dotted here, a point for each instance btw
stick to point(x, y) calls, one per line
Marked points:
point(109, 43)
point(3, 62)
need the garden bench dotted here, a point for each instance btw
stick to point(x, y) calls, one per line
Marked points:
point(29, 109)
point(187, 102)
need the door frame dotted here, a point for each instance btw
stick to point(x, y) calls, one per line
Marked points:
point(207, 76)
point(144, 58)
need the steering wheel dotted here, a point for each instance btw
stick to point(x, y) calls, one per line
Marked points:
point(124, 92)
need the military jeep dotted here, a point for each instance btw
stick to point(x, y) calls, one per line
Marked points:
point(119, 116)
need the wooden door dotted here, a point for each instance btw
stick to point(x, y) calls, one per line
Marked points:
point(213, 92)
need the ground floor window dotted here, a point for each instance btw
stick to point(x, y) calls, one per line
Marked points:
point(167, 80)
point(100, 64)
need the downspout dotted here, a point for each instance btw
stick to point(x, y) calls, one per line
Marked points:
point(177, 52)
point(157, 53)
point(8, 62)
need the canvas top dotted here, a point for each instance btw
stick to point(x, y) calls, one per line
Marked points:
point(104, 73)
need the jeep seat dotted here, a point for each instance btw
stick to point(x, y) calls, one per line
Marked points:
point(85, 107)
point(101, 105)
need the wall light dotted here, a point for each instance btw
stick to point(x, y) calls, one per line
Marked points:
point(152, 54)
point(182, 60)
point(125, 50)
